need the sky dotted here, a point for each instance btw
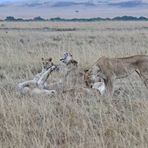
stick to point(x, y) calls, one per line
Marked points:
point(72, 8)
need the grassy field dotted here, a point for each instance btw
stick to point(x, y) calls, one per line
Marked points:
point(78, 120)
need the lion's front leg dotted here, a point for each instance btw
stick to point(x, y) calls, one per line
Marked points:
point(109, 86)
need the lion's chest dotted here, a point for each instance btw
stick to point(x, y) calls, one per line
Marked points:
point(73, 77)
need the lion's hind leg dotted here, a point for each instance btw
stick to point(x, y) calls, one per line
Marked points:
point(144, 76)
point(42, 84)
point(24, 86)
point(145, 80)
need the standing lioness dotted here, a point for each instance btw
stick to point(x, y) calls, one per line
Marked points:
point(110, 69)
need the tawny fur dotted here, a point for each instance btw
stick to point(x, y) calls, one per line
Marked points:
point(74, 78)
point(110, 69)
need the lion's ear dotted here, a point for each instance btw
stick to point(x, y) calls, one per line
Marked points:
point(86, 70)
point(50, 59)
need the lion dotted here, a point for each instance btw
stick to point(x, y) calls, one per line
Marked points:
point(74, 77)
point(39, 82)
point(108, 69)
point(71, 75)
point(68, 78)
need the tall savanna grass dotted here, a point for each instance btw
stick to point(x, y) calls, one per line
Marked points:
point(78, 119)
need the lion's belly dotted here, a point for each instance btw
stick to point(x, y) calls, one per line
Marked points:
point(123, 71)
point(121, 75)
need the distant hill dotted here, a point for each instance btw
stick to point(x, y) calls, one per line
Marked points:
point(129, 4)
point(67, 4)
point(56, 19)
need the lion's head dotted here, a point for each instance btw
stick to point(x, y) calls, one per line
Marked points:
point(47, 63)
point(68, 58)
point(92, 76)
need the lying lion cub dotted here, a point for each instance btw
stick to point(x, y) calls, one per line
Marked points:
point(39, 81)
point(109, 69)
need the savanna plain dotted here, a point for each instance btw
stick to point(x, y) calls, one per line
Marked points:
point(68, 120)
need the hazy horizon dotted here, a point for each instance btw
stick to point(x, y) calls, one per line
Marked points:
point(72, 8)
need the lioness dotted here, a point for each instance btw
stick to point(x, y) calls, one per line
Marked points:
point(109, 69)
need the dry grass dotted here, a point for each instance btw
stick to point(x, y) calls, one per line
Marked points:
point(78, 25)
point(72, 120)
